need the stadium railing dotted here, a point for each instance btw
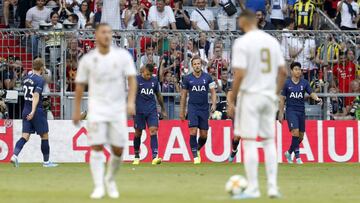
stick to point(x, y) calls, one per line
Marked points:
point(172, 50)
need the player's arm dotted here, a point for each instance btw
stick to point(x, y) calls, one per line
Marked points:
point(161, 103)
point(213, 96)
point(35, 102)
point(184, 93)
point(281, 108)
point(312, 94)
point(79, 91)
point(131, 94)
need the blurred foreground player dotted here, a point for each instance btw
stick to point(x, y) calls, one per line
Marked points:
point(33, 115)
point(198, 85)
point(105, 70)
point(259, 75)
point(293, 94)
point(146, 112)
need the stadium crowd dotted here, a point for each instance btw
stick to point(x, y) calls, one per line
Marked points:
point(328, 62)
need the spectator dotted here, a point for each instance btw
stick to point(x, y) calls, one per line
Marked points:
point(286, 38)
point(111, 13)
point(37, 15)
point(74, 5)
point(204, 43)
point(134, 16)
point(161, 16)
point(278, 11)
point(290, 8)
point(8, 6)
point(98, 13)
point(262, 23)
point(349, 11)
point(71, 69)
point(254, 5)
point(74, 52)
point(171, 61)
point(22, 8)
point(224, 21)
point(219, 62)
point(192, 51)
point(72, 18)
point(304, 14)
point(150, 57)
point(63, 11)
point(336, 105)
point(344, 73)
point(182, 17)
point(328, 52)
point(330, 8)
point(86, 17)
point(169, 84)
point(202, 18)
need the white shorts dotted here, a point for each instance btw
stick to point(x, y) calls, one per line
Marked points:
point(255, 115)
point(114, 133)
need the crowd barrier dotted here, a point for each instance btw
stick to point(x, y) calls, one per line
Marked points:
point(324, 142)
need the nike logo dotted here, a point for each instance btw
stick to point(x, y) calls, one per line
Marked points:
point(141, 84)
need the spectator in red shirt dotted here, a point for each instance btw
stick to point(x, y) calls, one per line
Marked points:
point(344, 73)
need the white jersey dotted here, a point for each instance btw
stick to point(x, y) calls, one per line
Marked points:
point(106, 76)
point(260, 55)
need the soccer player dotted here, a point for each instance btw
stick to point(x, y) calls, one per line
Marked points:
point(293, 94)
point(33, 115)
point(105, 69)
point(259, 75)
point(198, 85)
point(146, 112)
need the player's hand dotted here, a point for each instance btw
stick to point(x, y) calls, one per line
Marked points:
point(76, 118)
point(131, 109)
point(319, 101)
point(182, 116)
point(281, 117)
point(230, 110)
point(213, 108)
point(30, 116)
point(164, 114)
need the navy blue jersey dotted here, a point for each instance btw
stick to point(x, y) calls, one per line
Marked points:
point(32, 83)
point(145, 99)
point(295, 94)
point(198, 90)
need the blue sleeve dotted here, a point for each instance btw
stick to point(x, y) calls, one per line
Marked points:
point(185, 83)
point(307, 87)
point(284, 90)
point(39, 86)
point(210, 79)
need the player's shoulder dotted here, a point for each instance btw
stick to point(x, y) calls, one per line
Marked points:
point(120, 51)
point(304, 81)
point(154, 78)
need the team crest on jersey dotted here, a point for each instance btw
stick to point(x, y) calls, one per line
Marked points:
point(152, 84)
point(204, 81)
point(301, 88)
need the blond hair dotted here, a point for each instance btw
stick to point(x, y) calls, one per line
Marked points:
point(38, 64)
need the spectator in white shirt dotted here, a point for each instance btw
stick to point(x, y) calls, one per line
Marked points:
point(86, 17)
point(349, 11)
point(224, 21)
point(134, 16)
point(202, 18)
point(37, 14)
point(161, 16)
point(277, 11)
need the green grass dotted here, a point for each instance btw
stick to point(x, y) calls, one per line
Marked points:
point(175, 183)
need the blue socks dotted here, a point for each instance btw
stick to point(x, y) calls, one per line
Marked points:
point(193, 145)
point(154, 145)
point(137, 141)
point(294, 147)
point(19, 145)
point(201, 142)
point(45, 149)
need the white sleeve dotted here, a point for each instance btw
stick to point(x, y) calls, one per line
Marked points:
point(82, 75)
point(211, 16)
point(129, 68)
point(193, 16)
point(152, 14)
point(239, 58)
point(171, 15)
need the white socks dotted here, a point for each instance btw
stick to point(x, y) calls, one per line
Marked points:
point(112, 167)
point(271, 164)
point(97, 167)
point(251, 162)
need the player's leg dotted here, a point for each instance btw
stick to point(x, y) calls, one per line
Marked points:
point(153, 123)
point(300, 137)
point(140, 125)
point(45, 150)
point(18, 147)
point(97, 132)
point(267, 132)
point(293, 124)
point(193, 128)
point(204, 127)
point(234, 147)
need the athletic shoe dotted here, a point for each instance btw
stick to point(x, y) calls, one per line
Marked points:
point(98, 193)
point(274, 193)
point(288, 157)
point(299, 161)
point(197, 160)
point(136, 161)
point(231, 159)
point(49, 164)
point(247, 195)
point(156, 161)
point(15, 161)
point(111, 189)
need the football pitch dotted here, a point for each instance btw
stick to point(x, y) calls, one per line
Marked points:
point(177, 182)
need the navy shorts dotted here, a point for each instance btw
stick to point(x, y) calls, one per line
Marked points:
point(141, 119)
point(38, 124)
point(198, 119)
point(296, 120)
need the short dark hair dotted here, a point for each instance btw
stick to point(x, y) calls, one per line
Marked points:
point(149, 45)
point(98, 26)
point(75, 17)
point(53, 13)
point(196, 57)
point(248, 14)
point(289, 21)
point(293, 64)
point(149, 67)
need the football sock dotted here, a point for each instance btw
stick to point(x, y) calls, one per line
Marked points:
point(294, 140)
point(154, 145)
point(201, 142)
point(137, 141)
point(235, 144)
point(193, 145)
point(45, 149)
point(112, 167)
point(19, 145)
point(251, 162)
point(297, 148)
point(97, 167)
point(300, 140)
point(270, 162)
